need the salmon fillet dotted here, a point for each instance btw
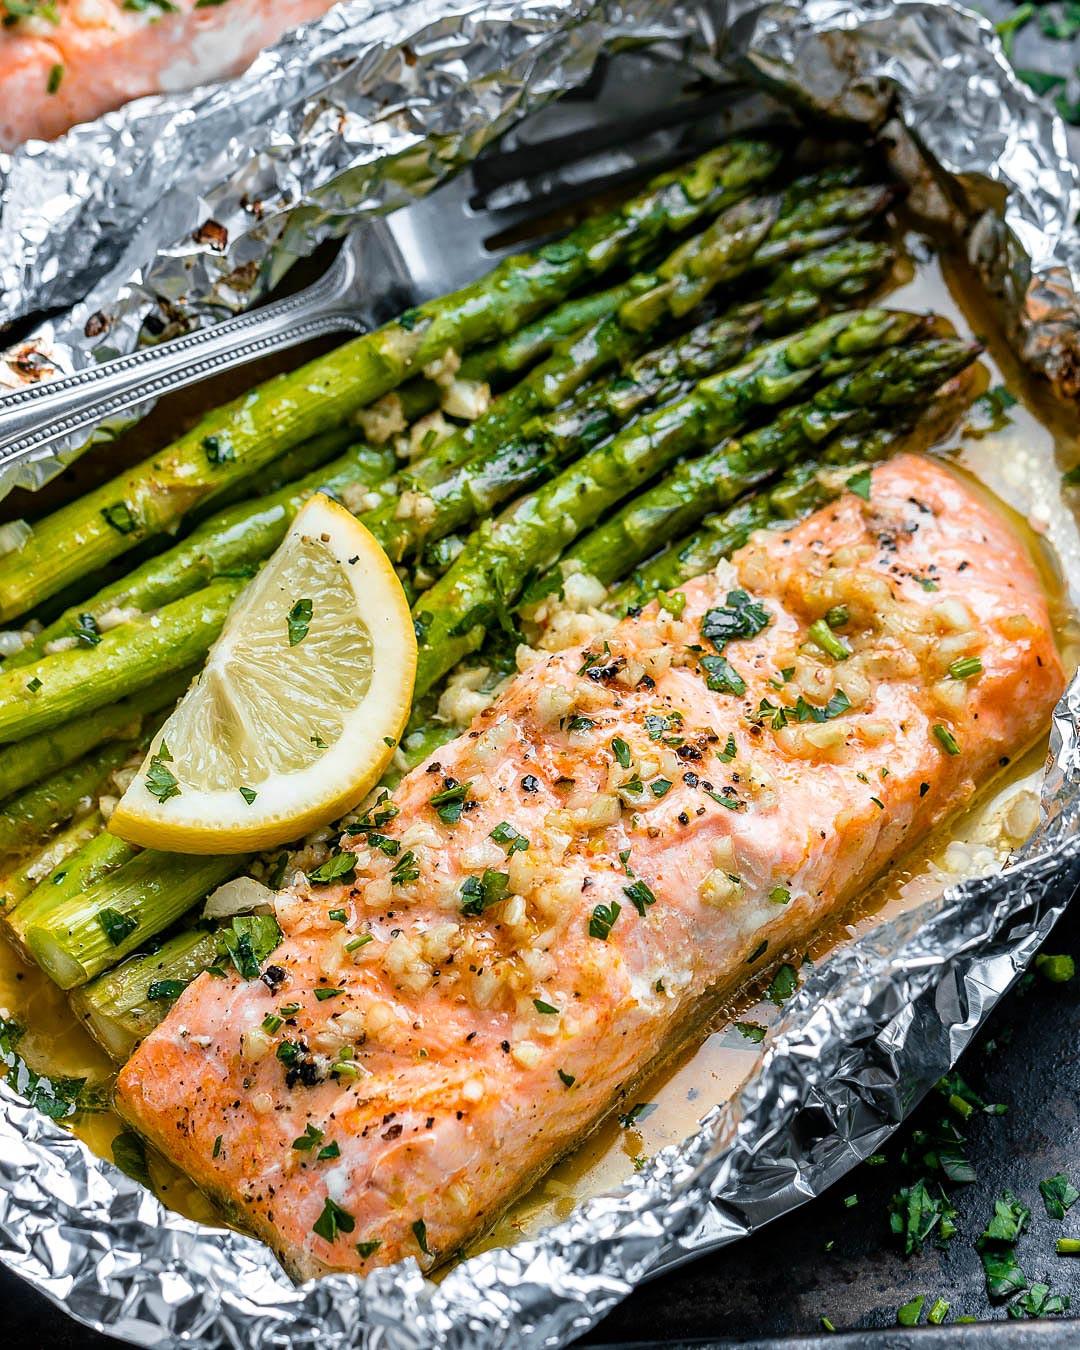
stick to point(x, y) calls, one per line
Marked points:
point(631, 845)
point(72, 60)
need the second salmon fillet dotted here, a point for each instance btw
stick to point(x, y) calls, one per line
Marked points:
point(629, 832)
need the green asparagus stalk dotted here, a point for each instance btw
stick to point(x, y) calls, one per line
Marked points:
point(506, 464)
point(54, 690)
point(28, 818)
point(689, 492)
point(230, 542)
point(92, 862)
point(293, 464)
point(259, 426)
point(813, 223)
point(453, 615)
point(28, 761)
point(126, 1003)
point(87, 934)
point(24, 878)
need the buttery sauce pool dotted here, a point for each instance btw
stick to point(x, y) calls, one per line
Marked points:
point(1019, 456)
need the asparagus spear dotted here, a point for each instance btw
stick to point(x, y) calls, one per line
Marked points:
point(88, 933)
point(257, 427)
point(28, 761)
point(94, 860)
point(231, 542)
point(123, 1005)
point(293, 464)
point(452, 617)
point(28, 818)
point(29, 873)
point(506, 465)
point(124, 660)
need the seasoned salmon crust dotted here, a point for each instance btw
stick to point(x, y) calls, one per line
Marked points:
point(630, 831)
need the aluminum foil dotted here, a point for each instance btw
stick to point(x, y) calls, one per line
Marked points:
point(874, 1026)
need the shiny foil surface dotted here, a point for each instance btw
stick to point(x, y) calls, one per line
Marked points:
point(873, 1027)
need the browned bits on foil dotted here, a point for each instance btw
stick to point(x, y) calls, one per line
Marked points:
point(212, 234)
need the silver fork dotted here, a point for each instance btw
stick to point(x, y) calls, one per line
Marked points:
point(553, 159)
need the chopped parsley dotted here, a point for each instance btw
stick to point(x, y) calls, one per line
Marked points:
point(369, 1248)
point(859, 483)
point(545, 1009)
point(721, 676)
point(660, 787)
point(160, 990)
point(299, 621)
point(218, 451)
point(248, 794)
point(33, 684)
point(806, 712)
point(567, 1079)
point(405, 869)
point(420, 1233)
point(738, 617)
point(753, 1032)
point(332, 1221)
point(324, 993)
point(638, 1112)
point(161, 782)
point(1059, 1194)
point(917, 1211)
point(478, 893)
point(119, 515)
point(449, 801)
point(624, 858)
point(306, 1142)
point(86, 631)
point(338, 867)
point(129, 1154)
point(640, 896)
point(115, 925)
point(783, 984)
point(217, 1147)
point(780, 895)
point(272, 1023)
point(247, 941)
point(603, 920)
point(729, 751)
point(997, 1247)
point(579, 723)
point(505, 834)
point(621, 751)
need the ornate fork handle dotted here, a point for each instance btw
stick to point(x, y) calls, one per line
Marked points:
point(34, 418)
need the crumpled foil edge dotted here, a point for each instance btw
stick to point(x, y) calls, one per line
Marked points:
point(866, 1036)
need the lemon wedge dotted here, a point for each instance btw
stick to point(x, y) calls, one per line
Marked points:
point(298, 709)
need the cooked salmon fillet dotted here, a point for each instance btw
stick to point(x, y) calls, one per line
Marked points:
point(631, 845)
point(71, 60)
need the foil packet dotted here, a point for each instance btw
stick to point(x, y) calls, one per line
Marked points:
point(878, 1023)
